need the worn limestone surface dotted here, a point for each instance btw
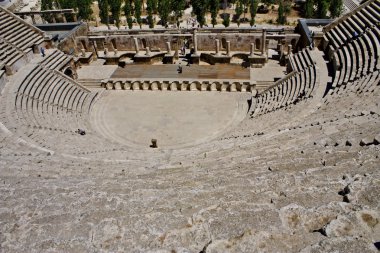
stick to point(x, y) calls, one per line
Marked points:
point(276, 183)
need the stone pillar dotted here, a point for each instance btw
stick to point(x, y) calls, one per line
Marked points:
point(168, 47)
point(136, 45)
point(64, 18)
point(252, 51)
point(264, 38)
point(75, 17)
point(115, 51)
point(53, 18)
point(83, 52)
point(217, 52)
point(33, 19)
point(289, 49)
point(195, 43)
point(228, 48)
point(147, 51)
point(176, 53)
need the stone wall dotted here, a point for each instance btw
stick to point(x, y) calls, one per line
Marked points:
point(157, 42)
point(69, 45)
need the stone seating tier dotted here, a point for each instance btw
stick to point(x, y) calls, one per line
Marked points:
point(56, 60)
point(8, 54)
point(18, 33)
point(343, 32)
point(296, 86)
point(357, 58)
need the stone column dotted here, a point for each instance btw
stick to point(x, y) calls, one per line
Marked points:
point(53, 18)
point(147, 51)
point(115, 51)
point(136, 45)
point(168, 47)
point(33, 19)
point(195, 43)
point(289, 49)
point(252, 51)
point(228, 48)
point(217, 52)
point(83, 52)
point(264, 38)
point(176, 53)
point(64, 18)
point(75, 17)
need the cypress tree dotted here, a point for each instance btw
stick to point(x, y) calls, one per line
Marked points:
point(84, 9)
point(200, 9)
point(128, 12)
point(137, 4)
point(177, 6)
point(336, 8)
point(281, 13)
point(244, 4)
point(253, 11)
point(322, 7)
point(238, 12)
point(226, 20)
point(163, 11)
point(104, 11)
point(150, 9)
point(115, 8)
point(309, 9)
point(214, 8)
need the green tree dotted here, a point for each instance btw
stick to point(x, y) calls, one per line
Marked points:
point(309, 9)
point(115, 8)
point(178, 6)
point(84, 9)
point(47, 5)
point(163, 11)
point(104, 9)
point(322, 7)
point(150, 8)
point(238, 12)
point(200, 8)
point(214, 8)
point(281, 13)
point(253, 10)
point(268, 2)
point(244, 4)
point(137, 4)
point(226, 20)
point(128, 12)
point(336, 8)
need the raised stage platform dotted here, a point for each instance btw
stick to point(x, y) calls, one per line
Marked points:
point(189, 72)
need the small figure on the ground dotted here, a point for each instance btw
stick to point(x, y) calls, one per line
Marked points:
point(42, 50)
point(154, 143)
point(81, 131)
point(188, 63)
point(179, 69)
point(355, 35)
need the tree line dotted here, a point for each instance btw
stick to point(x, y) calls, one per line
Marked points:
point(172, 10)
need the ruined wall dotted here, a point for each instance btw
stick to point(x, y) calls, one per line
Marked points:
point(157, 42)
point(69, 44)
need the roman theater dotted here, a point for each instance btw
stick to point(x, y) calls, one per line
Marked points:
point(245, 139)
